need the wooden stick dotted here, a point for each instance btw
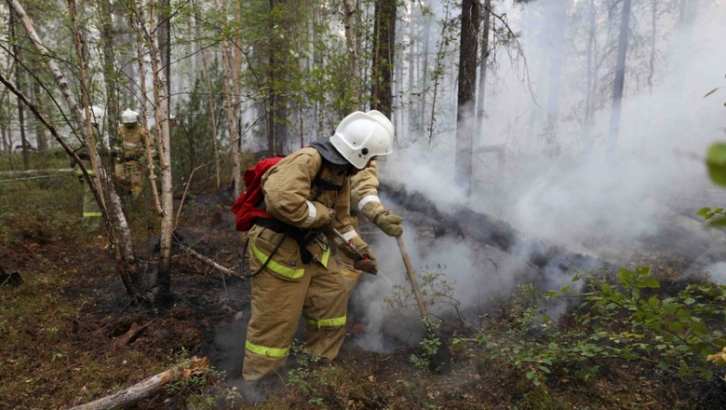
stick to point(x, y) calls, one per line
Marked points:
point(412, 277)
point(131, 395)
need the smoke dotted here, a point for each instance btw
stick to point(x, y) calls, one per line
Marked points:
point(561, 181)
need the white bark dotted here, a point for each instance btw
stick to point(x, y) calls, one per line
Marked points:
point(161, 113)
point(229, 104)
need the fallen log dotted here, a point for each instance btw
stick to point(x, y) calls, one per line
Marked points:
point(482, 228)
point(37, 171)
point(132, 395)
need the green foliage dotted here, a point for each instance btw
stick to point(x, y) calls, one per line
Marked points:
point(430, 345)
point(626, 321)
point(437, 292)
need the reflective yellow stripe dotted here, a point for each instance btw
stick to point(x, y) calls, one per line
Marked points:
point(79, 172)
point(266, 351)
point(276, 267)
point(90, 214)
point(338, 321)
point(326, 256)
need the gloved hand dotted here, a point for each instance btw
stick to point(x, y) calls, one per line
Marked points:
point(389, 223)
point(367, 265)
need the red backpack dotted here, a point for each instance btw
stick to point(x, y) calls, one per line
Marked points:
point(245, 207)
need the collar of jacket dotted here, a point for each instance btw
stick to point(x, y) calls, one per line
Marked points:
point(328, 151)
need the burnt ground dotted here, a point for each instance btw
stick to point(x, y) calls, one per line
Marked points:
point(64, 335)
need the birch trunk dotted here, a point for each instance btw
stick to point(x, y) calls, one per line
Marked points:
point(229, 107)
point(160, 292)
point(144, 102)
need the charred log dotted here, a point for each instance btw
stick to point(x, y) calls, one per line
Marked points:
point(484, 229)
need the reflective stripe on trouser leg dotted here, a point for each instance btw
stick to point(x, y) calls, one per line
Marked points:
point(325, 310)
point(276, 308)
point(91, 212)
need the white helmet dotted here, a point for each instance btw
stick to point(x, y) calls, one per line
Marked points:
point(129, 117)
point(363, 135)
point(96, 114)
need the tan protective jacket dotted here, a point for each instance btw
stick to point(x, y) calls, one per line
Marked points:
point(291, 197)
point(132, 140)
point(364, 192)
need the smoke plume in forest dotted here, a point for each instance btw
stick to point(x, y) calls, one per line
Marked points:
point(561, 179)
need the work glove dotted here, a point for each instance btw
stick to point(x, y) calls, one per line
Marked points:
point(389, 223)
point(368, 263)
point(385, 220)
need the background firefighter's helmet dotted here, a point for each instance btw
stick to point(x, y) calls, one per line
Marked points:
point(129, 117)
point(96, 115)
point(363, 135)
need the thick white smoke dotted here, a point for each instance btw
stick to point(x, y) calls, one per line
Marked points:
point(585, 199)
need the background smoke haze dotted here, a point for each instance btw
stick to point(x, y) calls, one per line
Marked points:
point(570, 191)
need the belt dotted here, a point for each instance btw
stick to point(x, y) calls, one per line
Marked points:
point(303, 237)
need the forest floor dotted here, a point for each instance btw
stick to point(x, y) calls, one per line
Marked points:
point(62, 332)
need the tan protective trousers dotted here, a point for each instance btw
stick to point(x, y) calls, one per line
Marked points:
point(320, 296)
point(350, 274)
point(131, 176)
point(92, 216)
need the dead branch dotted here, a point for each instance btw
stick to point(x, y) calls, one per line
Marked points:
point(131, 395)
point(210, 262)
point(131, 335)
point(186, 188)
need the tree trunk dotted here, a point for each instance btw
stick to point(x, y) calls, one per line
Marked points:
point(348, 11)
point(483, 71)
point(18, 84)
point(425, 72)
point(210, 91)
point(591, 75)
point(144, 103)
point(465, 113)
point(109, 73)
point(163, 33)
point(556, 23)
point(619, 79)
point(160, 292)
point(229, 102)
point(384, 42)
point(40, 131)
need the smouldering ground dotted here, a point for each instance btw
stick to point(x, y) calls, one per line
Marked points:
point(60, 332)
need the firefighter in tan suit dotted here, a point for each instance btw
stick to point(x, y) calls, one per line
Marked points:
point(129, 169)
point(364, 199)
point(308, 194)
point(92, 215)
